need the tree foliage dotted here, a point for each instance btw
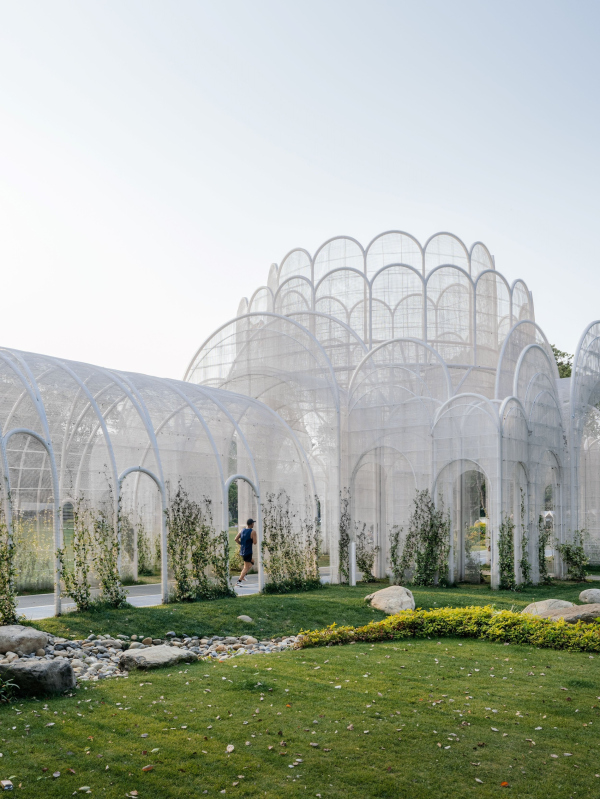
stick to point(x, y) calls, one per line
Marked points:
point(564, 362)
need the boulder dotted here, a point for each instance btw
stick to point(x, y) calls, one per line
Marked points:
point(245, 618)
point(155, 657)
point(22, 640)
point(39, 676)
point(546, 606)
point(590, 596)
point(586, 613)
point(392, 600)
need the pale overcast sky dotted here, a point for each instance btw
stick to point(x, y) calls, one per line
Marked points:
point(157, 157)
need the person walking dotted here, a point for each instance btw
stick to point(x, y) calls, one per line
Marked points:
point(246, 539)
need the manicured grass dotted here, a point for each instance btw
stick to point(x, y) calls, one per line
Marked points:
point(285, 615)
point(481, 727)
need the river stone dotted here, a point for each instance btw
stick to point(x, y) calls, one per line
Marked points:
point(155, 657)
point(586, 613)
point(392, 600)
point(22, 640)
point(590, 595)
point(39, 676)
point(546, 606)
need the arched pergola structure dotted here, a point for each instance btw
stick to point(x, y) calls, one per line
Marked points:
point(73, 431)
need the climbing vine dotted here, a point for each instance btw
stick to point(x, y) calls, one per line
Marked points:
point(199, 556)
point(544, 534)
point(506, 554)
point(106, 559)
point(366, 552)
point(8, 573)
point(524, 562)
point(145, 564)
point(290, 548)
point(574, 556)
point(344, 536)
point(75, 572)
point(395, 554)
point(427, 543)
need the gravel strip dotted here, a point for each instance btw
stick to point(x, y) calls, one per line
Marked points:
point(97, 657)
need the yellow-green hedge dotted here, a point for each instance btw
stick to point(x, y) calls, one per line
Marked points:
point(485, 623)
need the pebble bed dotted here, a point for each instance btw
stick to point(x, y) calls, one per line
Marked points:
point(97, 657)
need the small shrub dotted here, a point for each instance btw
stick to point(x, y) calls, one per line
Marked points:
point(574, 557)
point(7, 691)
point(486, 624)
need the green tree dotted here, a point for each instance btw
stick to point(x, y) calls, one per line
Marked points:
point(564, 361)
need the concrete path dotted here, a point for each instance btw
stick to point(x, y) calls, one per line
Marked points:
point(41, 606)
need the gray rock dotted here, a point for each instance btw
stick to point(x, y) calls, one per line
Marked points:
point(155, 657)
point(585, 613)
point(590, 596)
point(22, 640)
point(392, 600)
point(39, 676)
point(136, 645)
point(170, 634)
point(546, 606)
point(245, 618)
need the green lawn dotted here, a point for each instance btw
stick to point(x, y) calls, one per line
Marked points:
point(284, 615)
point(401, 744)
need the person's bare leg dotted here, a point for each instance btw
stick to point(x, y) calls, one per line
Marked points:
point(245, 571)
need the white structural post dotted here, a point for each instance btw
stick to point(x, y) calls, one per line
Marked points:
point(352, 563)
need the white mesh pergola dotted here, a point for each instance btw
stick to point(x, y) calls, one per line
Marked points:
point(402, 367)
point(72, 431)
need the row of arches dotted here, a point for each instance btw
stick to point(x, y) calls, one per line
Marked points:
point(392, 246)
point(116, 441)
point(466, 318)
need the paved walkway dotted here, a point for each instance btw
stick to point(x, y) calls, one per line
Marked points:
point(41, 606)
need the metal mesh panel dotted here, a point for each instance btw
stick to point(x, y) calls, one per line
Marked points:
point(393, 248)
point(444, 248)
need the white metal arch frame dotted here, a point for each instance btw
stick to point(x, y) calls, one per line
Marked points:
point(420, 343)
